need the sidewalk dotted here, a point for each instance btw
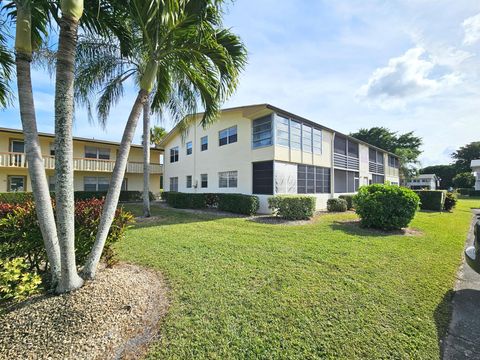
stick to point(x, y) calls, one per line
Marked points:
point(463, 335)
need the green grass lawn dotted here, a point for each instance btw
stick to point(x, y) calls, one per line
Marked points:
point(241, 289)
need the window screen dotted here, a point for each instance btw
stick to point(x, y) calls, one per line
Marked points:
point(262, 177)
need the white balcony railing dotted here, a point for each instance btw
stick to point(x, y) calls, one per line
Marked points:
point(18, 160)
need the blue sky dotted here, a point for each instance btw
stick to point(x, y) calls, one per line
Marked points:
point(406, 65)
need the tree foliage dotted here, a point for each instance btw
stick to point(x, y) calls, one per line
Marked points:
point(465, 155)
point(464, 180)
point(406, 146)
point(446, 173)
point(157, 134)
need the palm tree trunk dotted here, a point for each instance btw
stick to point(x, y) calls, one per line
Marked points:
point(64, 153)
point(36, 169)
point(113, 194)
point(146, 159)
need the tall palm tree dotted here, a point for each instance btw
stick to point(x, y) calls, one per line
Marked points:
point(31, 18)
point(24, 38)
point(190, 58)
point(6, 69)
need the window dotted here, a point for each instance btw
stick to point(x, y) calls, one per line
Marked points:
point(92, 183)
point(282, 131)
point(17, 183)
point(174, 154)
point(375, 156)
point(204, 180)
point(313, 179)
point(262, 131)
point(189, 148)
point(306, 138)
point(97, 153)
point(346, 181)
point(189, 181)
point(174, 184)
point(262, 177)
point(322, 180)
point(51, 183)
point(295, 135)
point(340, 145)
point(393, 162)
point(204, 143)
point(317, 141)
point(227, 136)
point(378, 179)
point(227, 179)
point(52, 149)
point(352, 149)
point(17, 146)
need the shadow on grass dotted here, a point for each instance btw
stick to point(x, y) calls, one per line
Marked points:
point(162, 216)
point(442, 316)
point(353, 228)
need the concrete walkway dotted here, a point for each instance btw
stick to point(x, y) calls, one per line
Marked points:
point(463, 335)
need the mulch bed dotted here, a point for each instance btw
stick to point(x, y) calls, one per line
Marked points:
point(113, 317)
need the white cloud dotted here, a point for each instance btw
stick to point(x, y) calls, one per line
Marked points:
point(407, 77)
point(471, 26)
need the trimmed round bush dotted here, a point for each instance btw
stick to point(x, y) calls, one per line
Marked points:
point(337, 205)
point(348, 199)
point(386, 207)
point(293, 207)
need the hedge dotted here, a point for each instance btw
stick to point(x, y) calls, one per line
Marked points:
point(431, 199)
point(468, 191)
point(450, 201)
point(235, 203)
point(238, 203)
point(337, 205)
point(386, 207)
point(185, 200)
point(23, 197)
point(293, 207)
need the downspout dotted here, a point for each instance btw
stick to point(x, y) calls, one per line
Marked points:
point(332, 183)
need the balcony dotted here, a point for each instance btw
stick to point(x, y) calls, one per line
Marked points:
point(345, 162)
point(376, 168)
point(18, 160)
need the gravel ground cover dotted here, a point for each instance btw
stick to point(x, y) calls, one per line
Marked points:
point(113, 317)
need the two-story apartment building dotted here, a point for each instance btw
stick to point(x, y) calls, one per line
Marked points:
point(476, 172)
point(424, 181)
point(93, 163)
point(264, 150)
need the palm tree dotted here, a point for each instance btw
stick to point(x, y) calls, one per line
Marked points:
point(186, 58)
point(23, 56)
point(31, 18)
point(6, 69)
point(157, 134)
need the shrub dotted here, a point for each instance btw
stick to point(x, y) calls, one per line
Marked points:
point(293, 207)
point(20, 234)
point(211, 200)
point(450, 201)
point(385, 207)
point(431, 199)
point(186, 200)
point(163, 195)
point(468, 192)
point(15, 197)
point(238, 203)
point(23, 197)
point(337, 205)
point(348, 199)
point(16, 283)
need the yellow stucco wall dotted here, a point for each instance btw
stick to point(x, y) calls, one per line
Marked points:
point(135, 180)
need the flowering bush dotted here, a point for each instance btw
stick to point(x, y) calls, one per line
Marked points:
point(20, 234)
